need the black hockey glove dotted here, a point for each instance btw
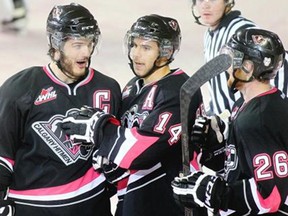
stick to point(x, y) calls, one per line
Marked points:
point(7, 207)
point(86, 126)
point(200, 189)
point(112, 171)
point(209, 134)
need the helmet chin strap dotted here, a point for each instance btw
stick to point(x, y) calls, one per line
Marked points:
point(151, 71)
point(197, 18)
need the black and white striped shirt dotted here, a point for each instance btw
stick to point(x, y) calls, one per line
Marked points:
point(221, 97)
point(281, 79)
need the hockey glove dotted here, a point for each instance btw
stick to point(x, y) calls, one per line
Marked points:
point(112, 171)
point(7, 207)
point(209, 134)
point(202, 189)
point(86, 126)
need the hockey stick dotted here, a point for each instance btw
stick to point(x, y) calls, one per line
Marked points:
point(212, 68)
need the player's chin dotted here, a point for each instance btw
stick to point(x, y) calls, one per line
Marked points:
point(79, 73)
point(140, 73)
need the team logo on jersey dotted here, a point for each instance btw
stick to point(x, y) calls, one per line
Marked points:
point(231, 162)
point(132, 118)
point(51, 133)
point(46, 95)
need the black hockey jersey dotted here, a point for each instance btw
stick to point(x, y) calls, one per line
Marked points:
point(257, 157)
point(148, 145)
point(51, 175)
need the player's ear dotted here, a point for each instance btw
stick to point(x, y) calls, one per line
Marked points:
point(56, 55)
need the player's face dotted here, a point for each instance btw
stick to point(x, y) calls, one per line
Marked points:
point(239, 75)
point(75, 56)
point(210, 11)
point(143, 53)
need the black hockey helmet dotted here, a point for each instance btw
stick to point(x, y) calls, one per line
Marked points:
point(164, 30)
point(262, 47)
point(228, 7)
point(71, 20)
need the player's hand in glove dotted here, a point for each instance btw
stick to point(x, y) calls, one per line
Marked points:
point(210, 134)
point(201, 189)
point(7, 207)
point(87, 125)
point(112, 171)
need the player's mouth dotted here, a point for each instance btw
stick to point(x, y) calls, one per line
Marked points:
point(82, 64)
point(138, 65)
point(206, 14)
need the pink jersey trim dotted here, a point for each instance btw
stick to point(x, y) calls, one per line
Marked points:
point(272, 202)
point(61, 189)
point(52, 77)
point(271, 91)
point(142, 144)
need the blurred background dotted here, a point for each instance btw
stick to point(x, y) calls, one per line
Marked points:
point(29, 48)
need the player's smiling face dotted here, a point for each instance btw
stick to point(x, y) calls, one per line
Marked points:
point(210, 11)
point(143, 53)
point(75, 56)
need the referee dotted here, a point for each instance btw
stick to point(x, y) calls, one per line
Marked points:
point(222, 23)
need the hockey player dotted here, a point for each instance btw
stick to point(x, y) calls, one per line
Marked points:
point(256, 167)
point(146, 148)
point(46, 173)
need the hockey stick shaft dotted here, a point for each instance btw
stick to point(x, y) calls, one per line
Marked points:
point(211, 69)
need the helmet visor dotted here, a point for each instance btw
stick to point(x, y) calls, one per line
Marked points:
point(129, 40)
point(237, 56)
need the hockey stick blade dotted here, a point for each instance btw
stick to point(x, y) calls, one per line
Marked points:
point(211, 69)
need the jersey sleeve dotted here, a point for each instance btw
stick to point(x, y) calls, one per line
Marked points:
point(9, 133)
point(156, 138)
point(249, 197)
